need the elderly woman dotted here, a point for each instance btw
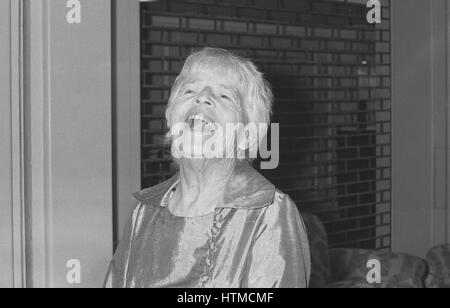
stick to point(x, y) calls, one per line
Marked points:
point(217, 222)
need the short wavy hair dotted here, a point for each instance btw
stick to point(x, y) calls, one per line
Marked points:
point(255, 91)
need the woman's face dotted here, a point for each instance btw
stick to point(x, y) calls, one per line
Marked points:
point(206, 102)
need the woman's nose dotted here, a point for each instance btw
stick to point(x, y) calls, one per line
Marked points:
point(205, 97)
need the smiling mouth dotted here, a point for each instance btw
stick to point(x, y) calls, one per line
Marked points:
point(200, 122)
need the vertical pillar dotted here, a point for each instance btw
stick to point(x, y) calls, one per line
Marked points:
point(69, 137)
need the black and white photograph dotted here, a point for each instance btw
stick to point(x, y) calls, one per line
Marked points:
point(224, 149)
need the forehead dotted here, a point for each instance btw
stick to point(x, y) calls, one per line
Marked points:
point(224, 71)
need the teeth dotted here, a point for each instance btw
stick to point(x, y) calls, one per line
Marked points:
point(199, 117)
point(200, 121)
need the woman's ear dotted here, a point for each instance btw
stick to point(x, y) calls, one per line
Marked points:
point(247, 145)
point(167, 139)
point(244, 141)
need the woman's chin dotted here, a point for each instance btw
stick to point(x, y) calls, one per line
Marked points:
point(191, 152)
point(197, 147)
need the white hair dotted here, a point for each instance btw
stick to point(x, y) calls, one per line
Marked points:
point(255, 90)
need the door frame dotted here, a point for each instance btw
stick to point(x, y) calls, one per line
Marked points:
point(12, 157)
point(126, 78)
point(420, 125)
point(68, 146)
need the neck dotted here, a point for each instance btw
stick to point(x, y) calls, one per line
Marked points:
point(202, 186)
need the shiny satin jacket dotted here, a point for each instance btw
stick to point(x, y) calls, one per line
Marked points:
point(257, 239)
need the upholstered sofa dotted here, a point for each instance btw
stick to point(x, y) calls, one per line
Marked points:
point(347, 268)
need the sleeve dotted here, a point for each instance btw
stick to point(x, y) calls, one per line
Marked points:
point(280, 256)
point(117, 272)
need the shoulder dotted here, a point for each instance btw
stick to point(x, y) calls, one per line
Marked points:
point(283, 203)
point(148, 203)
point(283, 209)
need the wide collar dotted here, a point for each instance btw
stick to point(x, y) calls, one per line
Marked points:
point(246, 189)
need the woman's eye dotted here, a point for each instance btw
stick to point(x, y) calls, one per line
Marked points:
point(188, 92)
point(225, 97)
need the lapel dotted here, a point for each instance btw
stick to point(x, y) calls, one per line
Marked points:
point(246, 189)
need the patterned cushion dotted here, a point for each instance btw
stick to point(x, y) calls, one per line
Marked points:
point(351, 284)
point(397, 270)
point(438, 259)
point(318, 242)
